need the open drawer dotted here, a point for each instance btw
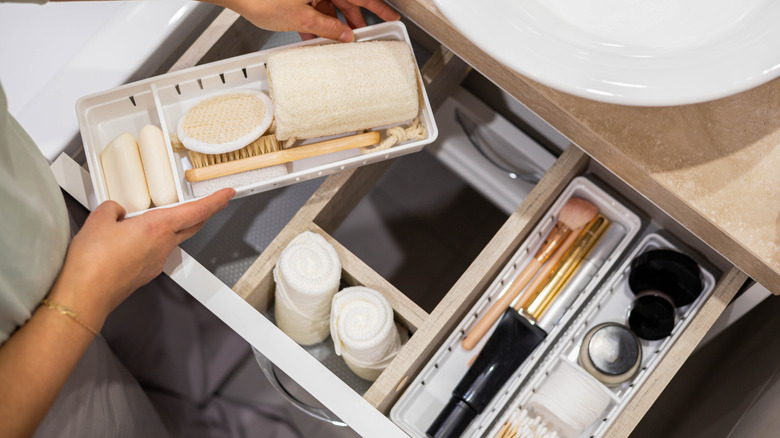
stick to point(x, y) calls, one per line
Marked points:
point(366, 410)
point(331, 203)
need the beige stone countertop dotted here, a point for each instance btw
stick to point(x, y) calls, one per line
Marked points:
point(714, 167)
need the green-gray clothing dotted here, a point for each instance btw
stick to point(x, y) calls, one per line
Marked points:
point(34, 223)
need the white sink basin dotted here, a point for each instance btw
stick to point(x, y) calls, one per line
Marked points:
point(53, 54)
point(635, 52)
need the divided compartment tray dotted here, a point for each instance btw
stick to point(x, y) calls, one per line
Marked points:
point(610, 304)
point(408, 315)
point(432, 387)
point(162, 100)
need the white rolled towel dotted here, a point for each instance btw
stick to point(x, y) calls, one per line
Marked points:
point(363, 330)
point(307, 275)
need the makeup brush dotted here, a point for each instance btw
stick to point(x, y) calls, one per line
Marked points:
point(574, 214)
point(564, 269)
point(544, 275)
point(516, 336)
point(557, 271)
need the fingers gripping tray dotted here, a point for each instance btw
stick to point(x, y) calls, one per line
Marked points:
point(163, 101)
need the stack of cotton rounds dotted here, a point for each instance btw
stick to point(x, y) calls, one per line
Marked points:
point(307, 275)
point(572, 397)
point(363, 330)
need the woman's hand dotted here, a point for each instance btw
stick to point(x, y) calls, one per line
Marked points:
point(111, 256)
point(310, 17)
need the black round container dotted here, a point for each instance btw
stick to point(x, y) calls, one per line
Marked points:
point(670, 272)
point(651, 315)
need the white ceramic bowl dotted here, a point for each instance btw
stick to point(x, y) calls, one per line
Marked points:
point(634, 52)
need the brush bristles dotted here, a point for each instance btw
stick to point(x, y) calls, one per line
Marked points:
point(263, 145)
point(576, 213)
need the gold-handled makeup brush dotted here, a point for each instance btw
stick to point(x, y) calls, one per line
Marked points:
point(555, 279)
point(543, 276)
point(574, 214)
point(214, 168)
point(516, 336)
point(563, 270)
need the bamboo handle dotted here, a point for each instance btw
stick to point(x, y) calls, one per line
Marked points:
point(501, 432)
point(501, 304)
point(532, 292)
point(283, 156)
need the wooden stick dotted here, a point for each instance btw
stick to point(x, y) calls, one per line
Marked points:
point(501, 304)
point(544, 275)
point(503, 430)
point(283, 156)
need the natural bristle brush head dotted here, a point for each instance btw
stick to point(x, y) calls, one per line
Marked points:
point(225, 122)
point(263, 145)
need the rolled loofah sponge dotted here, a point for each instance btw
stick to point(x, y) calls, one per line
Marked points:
point(363, 330)
point(307, 275)
point(337, 88)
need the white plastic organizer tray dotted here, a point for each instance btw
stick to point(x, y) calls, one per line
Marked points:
point(432, 388)
point(611, 304)
point(163, 99)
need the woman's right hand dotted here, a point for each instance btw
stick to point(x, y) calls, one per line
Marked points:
point(111, 256)
point(309, 17)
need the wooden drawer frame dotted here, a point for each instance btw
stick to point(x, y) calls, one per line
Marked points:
point(340, 193)
point(337, 193)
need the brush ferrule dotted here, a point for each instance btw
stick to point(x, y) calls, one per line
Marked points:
point(554, 238)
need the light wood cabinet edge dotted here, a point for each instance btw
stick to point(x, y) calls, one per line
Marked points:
point(680, 211)
point(726, 288)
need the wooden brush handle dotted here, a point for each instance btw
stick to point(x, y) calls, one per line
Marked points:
point(532, 291)
point(501, 304)
point(283, 156)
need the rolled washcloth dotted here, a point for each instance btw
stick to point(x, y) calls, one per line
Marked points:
point(307, 275)
point(337, 88)
point(363, 330)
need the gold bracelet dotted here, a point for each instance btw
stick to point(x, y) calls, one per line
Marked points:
point(67, 312)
